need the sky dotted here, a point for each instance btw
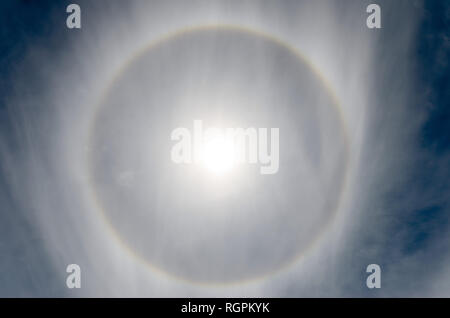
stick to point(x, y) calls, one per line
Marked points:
point(86, 177)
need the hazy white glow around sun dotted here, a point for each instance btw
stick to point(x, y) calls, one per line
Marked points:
point(218, 155)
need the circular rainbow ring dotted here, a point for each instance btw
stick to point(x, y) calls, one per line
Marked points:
point(173, 36)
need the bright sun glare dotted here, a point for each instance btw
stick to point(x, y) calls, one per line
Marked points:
point(218, 156)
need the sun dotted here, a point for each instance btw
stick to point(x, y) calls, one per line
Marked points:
point(218, 156)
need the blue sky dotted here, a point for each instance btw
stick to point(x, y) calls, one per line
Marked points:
point(398, 207)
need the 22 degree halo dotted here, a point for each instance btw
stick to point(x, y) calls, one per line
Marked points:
point(194, 227)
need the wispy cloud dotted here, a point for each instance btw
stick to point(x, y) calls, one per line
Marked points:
point(392, 205)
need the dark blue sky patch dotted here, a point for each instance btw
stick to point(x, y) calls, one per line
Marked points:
point(434, 74)
point(424, 227)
